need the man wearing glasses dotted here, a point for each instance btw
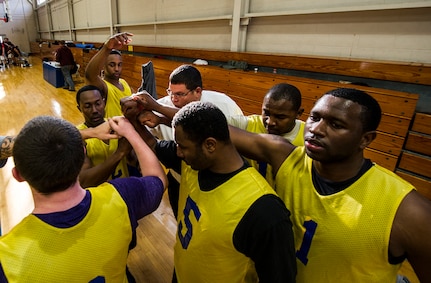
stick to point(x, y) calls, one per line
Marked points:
point(185, 86)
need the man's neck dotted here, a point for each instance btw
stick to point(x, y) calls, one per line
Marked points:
point(339, 171)
point(59, 201)
point(115, 82)
point(230, 160)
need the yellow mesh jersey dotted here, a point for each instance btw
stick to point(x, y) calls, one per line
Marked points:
point(112, 107)
point(255, 125)
point(98, 151)
point(97, 247)
point(342, 237)
point(204, 250)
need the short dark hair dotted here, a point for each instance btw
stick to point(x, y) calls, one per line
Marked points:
point(49, 154)
point(201, 120)
point(188, 75)
point(86, 88)
point(288, 92)
point(371, 112)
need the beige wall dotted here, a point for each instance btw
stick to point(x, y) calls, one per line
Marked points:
point(392, 30)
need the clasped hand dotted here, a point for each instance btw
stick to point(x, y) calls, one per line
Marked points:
point(138, 108)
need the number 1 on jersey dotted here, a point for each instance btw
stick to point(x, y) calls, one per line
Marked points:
point(310, 229)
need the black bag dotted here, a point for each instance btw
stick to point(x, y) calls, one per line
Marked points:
point(233, 64)
point(148, 79)
point(74, 69)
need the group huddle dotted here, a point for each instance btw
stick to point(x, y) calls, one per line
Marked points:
point(258, 198)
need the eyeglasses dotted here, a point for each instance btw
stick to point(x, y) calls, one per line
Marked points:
point(178, 94)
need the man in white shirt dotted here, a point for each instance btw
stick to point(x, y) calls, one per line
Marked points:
point(185, 86)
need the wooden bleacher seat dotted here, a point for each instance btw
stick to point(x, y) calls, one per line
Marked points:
point(415, 161)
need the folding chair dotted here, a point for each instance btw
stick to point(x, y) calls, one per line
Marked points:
point(77, 76)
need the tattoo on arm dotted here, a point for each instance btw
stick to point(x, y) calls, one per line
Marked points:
point(6, 147)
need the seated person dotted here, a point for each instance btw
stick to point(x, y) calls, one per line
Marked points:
point(12, 51)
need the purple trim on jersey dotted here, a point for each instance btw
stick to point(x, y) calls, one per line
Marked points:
point(70, 217)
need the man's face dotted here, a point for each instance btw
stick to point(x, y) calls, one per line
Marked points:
point(278, 117)
point(181, 96)
point(92, 107)
point(189, 151)
point(113, 67)
point(333, 131)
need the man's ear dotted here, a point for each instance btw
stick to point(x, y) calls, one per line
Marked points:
point(17, 175)
point(210, 145)
point(367, 138)
point(198, 92)
point(299, 113)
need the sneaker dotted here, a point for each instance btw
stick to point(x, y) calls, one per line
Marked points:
point(71, 89)
point(66, 87)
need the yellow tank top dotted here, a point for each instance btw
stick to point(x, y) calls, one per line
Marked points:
point(112, 107)
point(204, 250)
point(98, 151)
point(342, 237)
point(95, 248)
point(255, 125)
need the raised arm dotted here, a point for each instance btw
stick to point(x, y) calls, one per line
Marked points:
point(97, 62)
point(102, 132)
point(261, 147)
point(149, 103)
point(150, 165)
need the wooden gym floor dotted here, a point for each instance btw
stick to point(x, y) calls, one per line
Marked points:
point(24, 94)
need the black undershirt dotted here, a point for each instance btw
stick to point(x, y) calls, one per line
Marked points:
point(326, 187)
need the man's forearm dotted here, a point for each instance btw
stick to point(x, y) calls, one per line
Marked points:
point(102, 132)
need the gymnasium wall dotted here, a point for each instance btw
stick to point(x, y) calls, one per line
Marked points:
point(360, 29)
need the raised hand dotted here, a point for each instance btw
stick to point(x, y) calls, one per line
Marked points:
point(121, 126)
point(118, 40)
point(146, 100)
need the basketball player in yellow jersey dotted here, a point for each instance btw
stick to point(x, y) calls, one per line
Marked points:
point(281, 109)
point(73, 234)
point(231, 225)
point(110, 61)
point(354, 221)
point(104, 159)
